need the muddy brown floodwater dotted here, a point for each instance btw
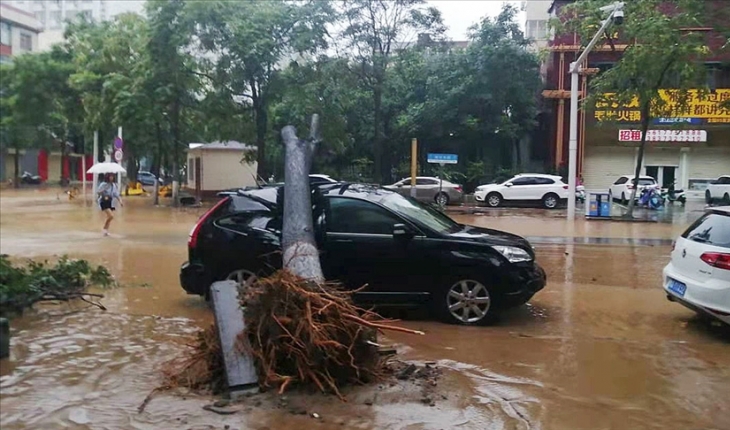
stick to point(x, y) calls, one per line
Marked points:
point(599, 348)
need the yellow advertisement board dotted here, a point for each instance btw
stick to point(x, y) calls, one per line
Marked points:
point(707, 107)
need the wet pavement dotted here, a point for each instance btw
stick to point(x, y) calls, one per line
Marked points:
point(599, 348)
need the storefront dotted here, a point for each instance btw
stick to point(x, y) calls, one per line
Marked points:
point(690, 150)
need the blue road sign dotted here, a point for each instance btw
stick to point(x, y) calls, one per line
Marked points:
point(443, 158)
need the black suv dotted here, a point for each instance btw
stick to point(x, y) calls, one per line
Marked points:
point(406, 252)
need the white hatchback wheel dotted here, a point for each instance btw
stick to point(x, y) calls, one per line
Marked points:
point(468, 301)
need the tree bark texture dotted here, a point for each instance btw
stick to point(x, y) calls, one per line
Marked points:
point(262, 123)
point(378, 135)
point(300, 253)
point(640, 159)
point(16, 166)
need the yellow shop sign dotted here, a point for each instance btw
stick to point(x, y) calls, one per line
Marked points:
point(700, 108)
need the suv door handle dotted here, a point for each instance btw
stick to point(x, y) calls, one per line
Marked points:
point(343, 240)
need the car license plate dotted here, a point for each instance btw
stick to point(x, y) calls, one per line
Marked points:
point(676, 287)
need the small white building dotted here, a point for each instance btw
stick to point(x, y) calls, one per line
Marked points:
point(217, 166)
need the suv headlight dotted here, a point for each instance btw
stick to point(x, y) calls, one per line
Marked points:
point(513, 254)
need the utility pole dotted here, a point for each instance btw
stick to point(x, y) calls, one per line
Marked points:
point(119, 176)
point(95, 180)
point(414, 165)
point(616, 14)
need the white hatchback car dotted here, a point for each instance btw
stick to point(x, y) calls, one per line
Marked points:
point(549, 190)
point(719, 190)
point(625, 184)
point(698, 275)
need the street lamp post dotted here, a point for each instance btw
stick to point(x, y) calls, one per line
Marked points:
point(616, 15)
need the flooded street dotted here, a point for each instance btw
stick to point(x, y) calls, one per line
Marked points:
point(599, 348)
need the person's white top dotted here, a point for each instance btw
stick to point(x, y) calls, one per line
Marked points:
point(108, 189)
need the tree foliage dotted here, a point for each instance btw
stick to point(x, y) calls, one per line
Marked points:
point(662, 53)
point(204, 71)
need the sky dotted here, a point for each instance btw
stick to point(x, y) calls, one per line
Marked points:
point(458, 15)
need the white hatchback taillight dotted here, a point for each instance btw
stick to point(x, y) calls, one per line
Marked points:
point(717, 259)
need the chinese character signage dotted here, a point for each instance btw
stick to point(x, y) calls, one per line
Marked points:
point(708, 108)
point(443, 158)
point(663, 136)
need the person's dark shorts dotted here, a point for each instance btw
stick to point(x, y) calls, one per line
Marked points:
point(105, 204)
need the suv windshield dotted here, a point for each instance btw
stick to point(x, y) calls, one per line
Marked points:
point(712, 229)
point(420, 213)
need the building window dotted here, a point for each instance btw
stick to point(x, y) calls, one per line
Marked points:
point(4, 59)
point(26, 42)
point(718, 75)
point(5, 33)
point(537, 29)
point(41, 16)
point(54, 20)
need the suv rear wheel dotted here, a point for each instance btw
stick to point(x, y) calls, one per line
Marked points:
point(243, 278)
point(442, 199)
point(467, 302)
point(550, 201)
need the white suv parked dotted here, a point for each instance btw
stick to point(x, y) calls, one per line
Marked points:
point(534, 187)
point(698, 275)
point(718, 190)
point(623, 186)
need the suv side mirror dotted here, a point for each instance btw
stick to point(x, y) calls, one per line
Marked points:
point(400, 230)
point(399, 185)
point(508, 184)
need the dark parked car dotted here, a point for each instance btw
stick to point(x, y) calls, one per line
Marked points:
point(314, 180)
point(406, 252)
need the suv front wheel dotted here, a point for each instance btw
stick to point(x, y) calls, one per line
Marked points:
point(467, 302)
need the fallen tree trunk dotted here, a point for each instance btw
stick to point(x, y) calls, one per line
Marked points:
point(300, 254)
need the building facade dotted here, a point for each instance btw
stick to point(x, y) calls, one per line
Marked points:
point(18, 32)
point(54, 14)
point(537, 17)
point(689, 151)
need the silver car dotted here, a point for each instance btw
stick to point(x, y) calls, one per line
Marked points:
point(427, 190)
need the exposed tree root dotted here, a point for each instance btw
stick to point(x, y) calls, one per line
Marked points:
point(298, 332)
point(311, 334)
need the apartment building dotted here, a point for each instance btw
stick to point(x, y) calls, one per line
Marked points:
point(18, 32)
point(54, 14)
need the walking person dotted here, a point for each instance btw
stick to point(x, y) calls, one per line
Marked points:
point(107, 193)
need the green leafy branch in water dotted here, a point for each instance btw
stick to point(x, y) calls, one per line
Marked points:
point(67, 279)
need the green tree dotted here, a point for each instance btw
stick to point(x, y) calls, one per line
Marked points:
point(247, 43)
point(170, 79)
point(661, 55)
point(41, 109)
point(478, 101)
point(375, 31)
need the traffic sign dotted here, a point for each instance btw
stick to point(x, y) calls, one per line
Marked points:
point(118, 143)
point(443, 158)
point(118, 155)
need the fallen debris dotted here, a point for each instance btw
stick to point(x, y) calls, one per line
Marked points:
point(298, 332)
point(68, 279)
point(311, 334)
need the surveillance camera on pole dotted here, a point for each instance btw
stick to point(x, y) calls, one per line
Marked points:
point(615, 16)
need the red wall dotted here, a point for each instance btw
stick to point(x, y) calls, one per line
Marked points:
point(89, 163)
point(43, 164)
